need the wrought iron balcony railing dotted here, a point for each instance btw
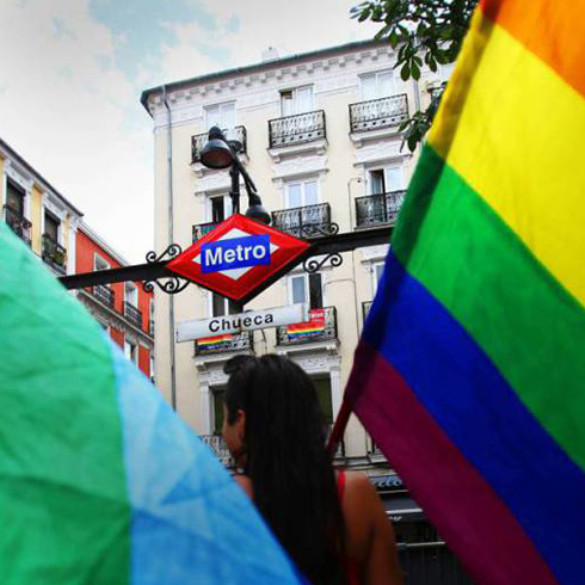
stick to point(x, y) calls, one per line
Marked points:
point(133, 314)
point(202, 229)
point(366, 306)
point(198, 141)
point(104, 294)
point(322, 325)
point(310, 221)
point(151, 327)
point(219, 447)
point(54, 253)
point(381, 113)
point(374, 210)
point(297, 129)
point(225, 343)
point(18, 224)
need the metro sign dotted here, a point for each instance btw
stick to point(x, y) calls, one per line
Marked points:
point(239, 258)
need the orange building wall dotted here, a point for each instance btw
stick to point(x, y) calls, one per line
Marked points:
point(117, 336)
point(144, 360)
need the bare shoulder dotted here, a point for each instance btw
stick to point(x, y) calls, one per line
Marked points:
point(245, 483)
point(358, 485)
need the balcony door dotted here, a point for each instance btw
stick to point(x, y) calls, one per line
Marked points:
point(223, 116)
point(377, 85)
point(221, 306)
point(220, 208)
point(297, 101)
point(323, 387)
point(15, 199)
point(385, 180)
point(131, 294)
point(52, 225)
point(307, 288)
point(300, 199)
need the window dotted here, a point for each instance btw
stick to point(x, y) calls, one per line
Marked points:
point(377, 274)
point(296, 101)
point(52, 227)
point(307, 288)
point(302, 193)
point(220, 208)
point(99, 263)
point(221, 306)
point(15, 198)
point(217, 411)
point(377, 85)
point(385, 180)
point(130, 351)
point(131, 294)
point(223, 116)
point(323, 386)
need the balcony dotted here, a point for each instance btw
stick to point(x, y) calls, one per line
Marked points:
point(202, 229)
point(133, 314)
point(198, 141)
point(298, 129)
point(310, 221)
point(54, 254)
point(385, 112)
point(375, 210)
point(151, 327)
point(322, 326)
point(226, 343)
point(104, 294)
point(218, 446)
point(18, 224)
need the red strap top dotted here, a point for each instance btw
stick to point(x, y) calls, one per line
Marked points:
point(352, 568)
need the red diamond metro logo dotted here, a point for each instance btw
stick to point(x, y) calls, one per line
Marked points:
point(238, 257)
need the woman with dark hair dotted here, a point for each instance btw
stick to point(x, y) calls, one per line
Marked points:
point(332, 525)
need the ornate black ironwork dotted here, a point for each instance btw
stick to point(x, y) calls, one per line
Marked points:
point(18, 224)
point(230, 343)
point(381, 113)
point(218, 445)
point(198, 141)
point(312, 265)
point(297, 129)
point(172, 251)
point(324, 327)
point(54, 253)
point(171, 285)
point(381, 208)
point(309, 221)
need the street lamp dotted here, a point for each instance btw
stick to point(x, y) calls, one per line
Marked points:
point(219, 153)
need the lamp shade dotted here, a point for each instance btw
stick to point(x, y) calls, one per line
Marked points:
point(216, 154)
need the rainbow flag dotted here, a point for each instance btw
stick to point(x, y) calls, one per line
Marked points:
point(216, 340)
point(100, 482)
point(315, 324)
point(470, 374)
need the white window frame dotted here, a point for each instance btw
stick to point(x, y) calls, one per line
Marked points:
point(98, 258)
point(305, 277)
point(128, 351)
point(384, 168)
point(131, 286)
point(302, 182)
point(228, 210)
point(375, 281)
point(24, 182)
point(376, 75)
point(295, 91)
point(221, 108)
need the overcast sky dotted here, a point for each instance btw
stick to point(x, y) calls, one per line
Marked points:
point(73, 70)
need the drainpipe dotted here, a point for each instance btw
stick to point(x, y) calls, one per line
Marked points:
point(171, 239)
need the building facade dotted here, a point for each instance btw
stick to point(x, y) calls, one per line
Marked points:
point(35, 211)
point(124, 309)
point(54, 230)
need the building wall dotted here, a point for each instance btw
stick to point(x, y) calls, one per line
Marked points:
point(36, 216)
point(113, 317)
point(340, 165)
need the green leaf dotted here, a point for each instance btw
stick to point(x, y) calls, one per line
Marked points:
point(415, 70)
point(405, 72)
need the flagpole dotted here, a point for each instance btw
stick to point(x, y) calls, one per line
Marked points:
point(339, 427)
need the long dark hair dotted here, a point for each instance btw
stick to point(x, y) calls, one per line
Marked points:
point(292, 477)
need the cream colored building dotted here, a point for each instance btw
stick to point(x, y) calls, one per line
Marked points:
point(37, 212)
point(321, 142)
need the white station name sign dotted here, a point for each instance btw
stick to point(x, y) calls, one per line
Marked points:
point(248, 321)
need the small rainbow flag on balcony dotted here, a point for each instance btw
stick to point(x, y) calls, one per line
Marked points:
point(315, 324)
point(101, 482)
point(470, 374)
point(215, 340)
